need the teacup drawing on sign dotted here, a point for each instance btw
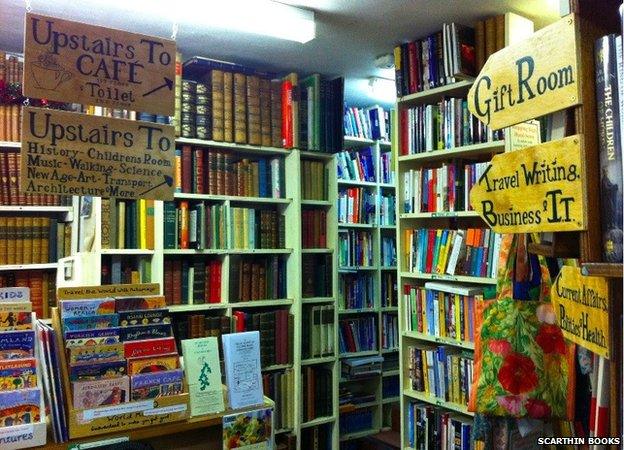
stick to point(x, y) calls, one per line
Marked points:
point(47, 73)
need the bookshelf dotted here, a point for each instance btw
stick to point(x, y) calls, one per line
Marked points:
point(376, 272)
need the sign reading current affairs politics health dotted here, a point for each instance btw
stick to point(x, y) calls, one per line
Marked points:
point(534, 77)
point(65, 153)
point(74, 62)
point(535, 189)
point(582, 309)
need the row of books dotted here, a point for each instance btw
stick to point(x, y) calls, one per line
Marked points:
point(256, 229)
point(239, 104)
point(431, 427)
point(41, 285)
point(11, 74)
point(386, 168)
point(357, 334)
point(194, 225)
point(313, 180)
point(355, 248)
point(390, 387)
point(441, 309)
point(317, 331)
point(317, 385)
point(191, 281)
point(356, 165)
point(314, 228)
point(367, 123)
point(388, 254)
point(472, 252)
point(389, 332)
point(126, 269)
point(358, 420)
point(356, 205)
point(33, 240)
point(356, 290)
point(441, 126)
point(276, 334)
point(201, 170)
point(389, 297)
point(257, 278)
point(191, 326)
point(280, 387)
point(445, 188)
point(318, 437)
point(317, 276)
point(127, 223)
point(10, 194)
point(387, 209)
point(441, 372)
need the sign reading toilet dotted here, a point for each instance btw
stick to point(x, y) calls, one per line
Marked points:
point(74, 62)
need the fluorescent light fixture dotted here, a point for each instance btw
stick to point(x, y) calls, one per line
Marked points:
point(383, 88)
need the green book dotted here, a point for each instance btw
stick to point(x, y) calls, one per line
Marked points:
point(170, 225)
point(203, 375)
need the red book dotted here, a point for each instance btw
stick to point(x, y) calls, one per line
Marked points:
point(177, 282)
point(187, 168)
point(149, 347)
point(287, 124)
point(239, 321)
point(183, 222)
point(404, 132)
point(430, 248)
point(198, 164)
point(323, 229)
point(413, 72)
point(432, 207)
point(215, 281)
point(168, 281)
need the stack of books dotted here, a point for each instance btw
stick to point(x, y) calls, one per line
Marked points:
point(356, 205)
point(313, 228)
point(353, 368)
point(356, 291)
point(313, 180)
point(355, 248)
point(11, 74)
point(317, 384)
point(431, 427)
point(127, 224)
point(256, 228)
point(367, 123)
point(194, 225)
point(356, 165)
point(358, 334)
point(192, 281)
point(317, 334)
point(317, 276)
point(33, 240)
point(257, 278)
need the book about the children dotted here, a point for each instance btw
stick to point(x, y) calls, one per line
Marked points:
point(134, 303)
point(203, 375)
point(85, 308)
point(90, 322)
point(241, 352)
point(17, 344)
point(97, 371)
point(144, 317)
point(251, 430)
point(20, 407)
point(93, 393)
point(141, 332)
point(18, 374)
point(11, 320)
point(152, 364)
point(96, 353)
point(149, 347)
point(158, 384)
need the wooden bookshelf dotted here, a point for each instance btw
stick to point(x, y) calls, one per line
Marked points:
point(485, 148)
point(433, 95)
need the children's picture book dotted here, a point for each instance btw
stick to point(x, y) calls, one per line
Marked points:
point(97, 371)
point(152, 364)
point(18, 374)
point(85, 308)
point(20, 407)
point(158, 384)
point(141, 332)
point(203, 375)
point(144, 317)
point(17, 344)
point(93, 393)
point(86, 334)
point(15, 320)
point(241, 352)
point(96, 353)
point(90, 322)
point(252, 430)
point(149, 347)
point(135, 303)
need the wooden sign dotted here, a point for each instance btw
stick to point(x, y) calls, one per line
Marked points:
point(110, 290)
point(536, 189)
point(537, 76)
point(65, 153)
point(582, 309)
point(69, 61)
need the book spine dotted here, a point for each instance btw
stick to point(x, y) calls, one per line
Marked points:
point(218, 109)
point(240, 108)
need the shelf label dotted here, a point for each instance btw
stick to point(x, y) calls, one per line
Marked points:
point(537, 76)
point(581, 307)
point(116, 410)
point(73, 62)
point(100, 443)
point(111, 290)
point(66, 153)
point(13, 435)
point(536, 189)
point(15, 294)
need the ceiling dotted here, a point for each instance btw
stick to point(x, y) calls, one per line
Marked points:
point(350, 33)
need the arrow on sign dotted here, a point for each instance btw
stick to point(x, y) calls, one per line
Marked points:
point(168, 84)
point(168, 181)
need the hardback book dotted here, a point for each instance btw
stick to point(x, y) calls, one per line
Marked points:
point(218, 111)
point(90, 394)
point(265, 111)
point(151, 364)
point(254, 131)
point(83, 308)
point(228, 106)
point(241, 352)
point(203, 375)
point(108, 335)
point(20, 406)
point(240, 108)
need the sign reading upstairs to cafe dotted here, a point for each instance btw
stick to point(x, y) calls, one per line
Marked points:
point(69, 62)
point(534, 77)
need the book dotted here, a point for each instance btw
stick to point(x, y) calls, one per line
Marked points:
point(20, 407)
point(17, 344)
point(16, 320)
point(84, 308)
point(279, 386)
point(156, 384)
point(151, 364)
point(90, 322)
point(97, 371)
point(149, 347)
point(355, 248)
point(18, 374)
point(241, 353)
point(357, 334)
point(94, 393)
point(96, 353)
point(144, 317)
point(145, 332)
point(133, 303)
point(248, 430)
point(203, 375)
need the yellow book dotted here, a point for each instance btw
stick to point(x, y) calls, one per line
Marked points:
point(142, 231)
point(425, 369)
point(135, 277)
point(36, 242)
point(150, 224)
point(45, 304)
point(407, 240)
point(423, 311)
point(45, 239)
point(3, 240)
point(121, 224)
point(441, 315)
point(29, 255)
point(20, 235)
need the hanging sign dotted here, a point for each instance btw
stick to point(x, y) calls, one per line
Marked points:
point(69, 61)
point(65, 153)
point(534, 77)
point(536, 189)
point(582, 309)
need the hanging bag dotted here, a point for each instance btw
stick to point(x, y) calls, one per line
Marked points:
point(523, 366)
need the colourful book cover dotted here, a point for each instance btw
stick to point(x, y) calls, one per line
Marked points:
point(15, 307)
point(134, 303)
point(152, 364)
point(17, 344)
point(97, 371)
point(83, 308)
point(90, 341)
point(93, 393)
point(20, 407)
point(149, 347)
point(144, 317)
point(157, 384)
point(251, 430)
point(203, 375)
point(10, 320)
point(86, 335)
point(141, 332)
point(241, 352)
point(96, 353)
point(18, 374)
point(90, 322)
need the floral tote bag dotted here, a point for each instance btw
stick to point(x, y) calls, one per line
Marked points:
point(523, 366)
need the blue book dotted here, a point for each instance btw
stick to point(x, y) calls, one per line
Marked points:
point(262, 178)
point(410, 424)
point(373, 114)
point(241, 352)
